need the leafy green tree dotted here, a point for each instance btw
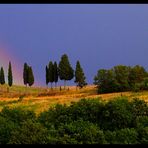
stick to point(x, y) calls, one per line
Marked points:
point(121, 76)
point(145, 83)
point(25, 74)
point(51, 72)
point(79, 76)
point(2, 76)
point(55, 71)
point(17, 115)
point(30, 132)
point(6, 127)
point(137, 75)
point(10, 77)
point(30, 76)
point(143, 135)
point(116, 114)
point(65, 70)
point(105, 81)
point(47, 75)
point(127, 136)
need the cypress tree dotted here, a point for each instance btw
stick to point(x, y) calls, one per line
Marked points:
point(25, 74)
point(51, 73)
point(10, 77)
point(30, 76)
point(79, 76)
point(55, 71)
point(47, 76)
point(65, 70)
point(2, 76)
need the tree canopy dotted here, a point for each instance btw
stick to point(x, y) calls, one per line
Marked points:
point(79, 76)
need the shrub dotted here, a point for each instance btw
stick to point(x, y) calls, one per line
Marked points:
point(110, 137)
point(88, 110)
point(127, 136)
point(143, 135)
point(116, 114)
point(6, 127)
point(30, 132)
point(17, 115)
point(83, 132)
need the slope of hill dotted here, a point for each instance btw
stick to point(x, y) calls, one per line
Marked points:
point(40, 99)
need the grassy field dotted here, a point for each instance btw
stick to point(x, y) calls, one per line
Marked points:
point(40, 99)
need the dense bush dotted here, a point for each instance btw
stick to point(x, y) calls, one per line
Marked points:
point(17, 115)
point(121, 78)
point(116, 115)
point(90, 121)
point(6, 127)
point(29, 133)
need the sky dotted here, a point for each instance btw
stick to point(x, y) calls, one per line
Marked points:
point(98, 35)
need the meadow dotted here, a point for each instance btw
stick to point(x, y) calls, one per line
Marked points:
point(39, 99)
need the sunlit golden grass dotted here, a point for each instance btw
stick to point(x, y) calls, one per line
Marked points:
point(41, 99)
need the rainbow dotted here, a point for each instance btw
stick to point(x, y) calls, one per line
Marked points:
point(17, 69)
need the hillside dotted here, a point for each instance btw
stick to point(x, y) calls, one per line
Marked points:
point(39, 99)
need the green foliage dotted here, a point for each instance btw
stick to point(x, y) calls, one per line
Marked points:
point(29, 132)
point(141, 121)
point(88, 110)
point(83, 132)
point(126, 136)
point(10, 77)
point(88, 121)
point(47, 75)
point(2, 76)
point(65, 70)
point(143, 135)
point(30, 76)
point(106, 81)
point(55, 72)
point(138, 108)
point(51, 72)
point(25, 74)
point(116, 115)
point(110, 137)
point(6, 127)
point(121, 78)
point(137, 74)
point(17, 115)
point(79, 76)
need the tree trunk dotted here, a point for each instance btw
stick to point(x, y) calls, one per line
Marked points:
point(8, 89)
point(51, 86)
point(47, 87)
point(64, 84)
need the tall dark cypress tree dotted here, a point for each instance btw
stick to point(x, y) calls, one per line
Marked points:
point(47, 75)
point(10, 77)
point(2, 76)
point(50, 72)
point(79, 76)
point(65, 70)
point(55, 71)
point(30, 76)
point(25, 74)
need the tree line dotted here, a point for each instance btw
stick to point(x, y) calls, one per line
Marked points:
point(65, 72)
point(54, 72)
point(121, 78)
